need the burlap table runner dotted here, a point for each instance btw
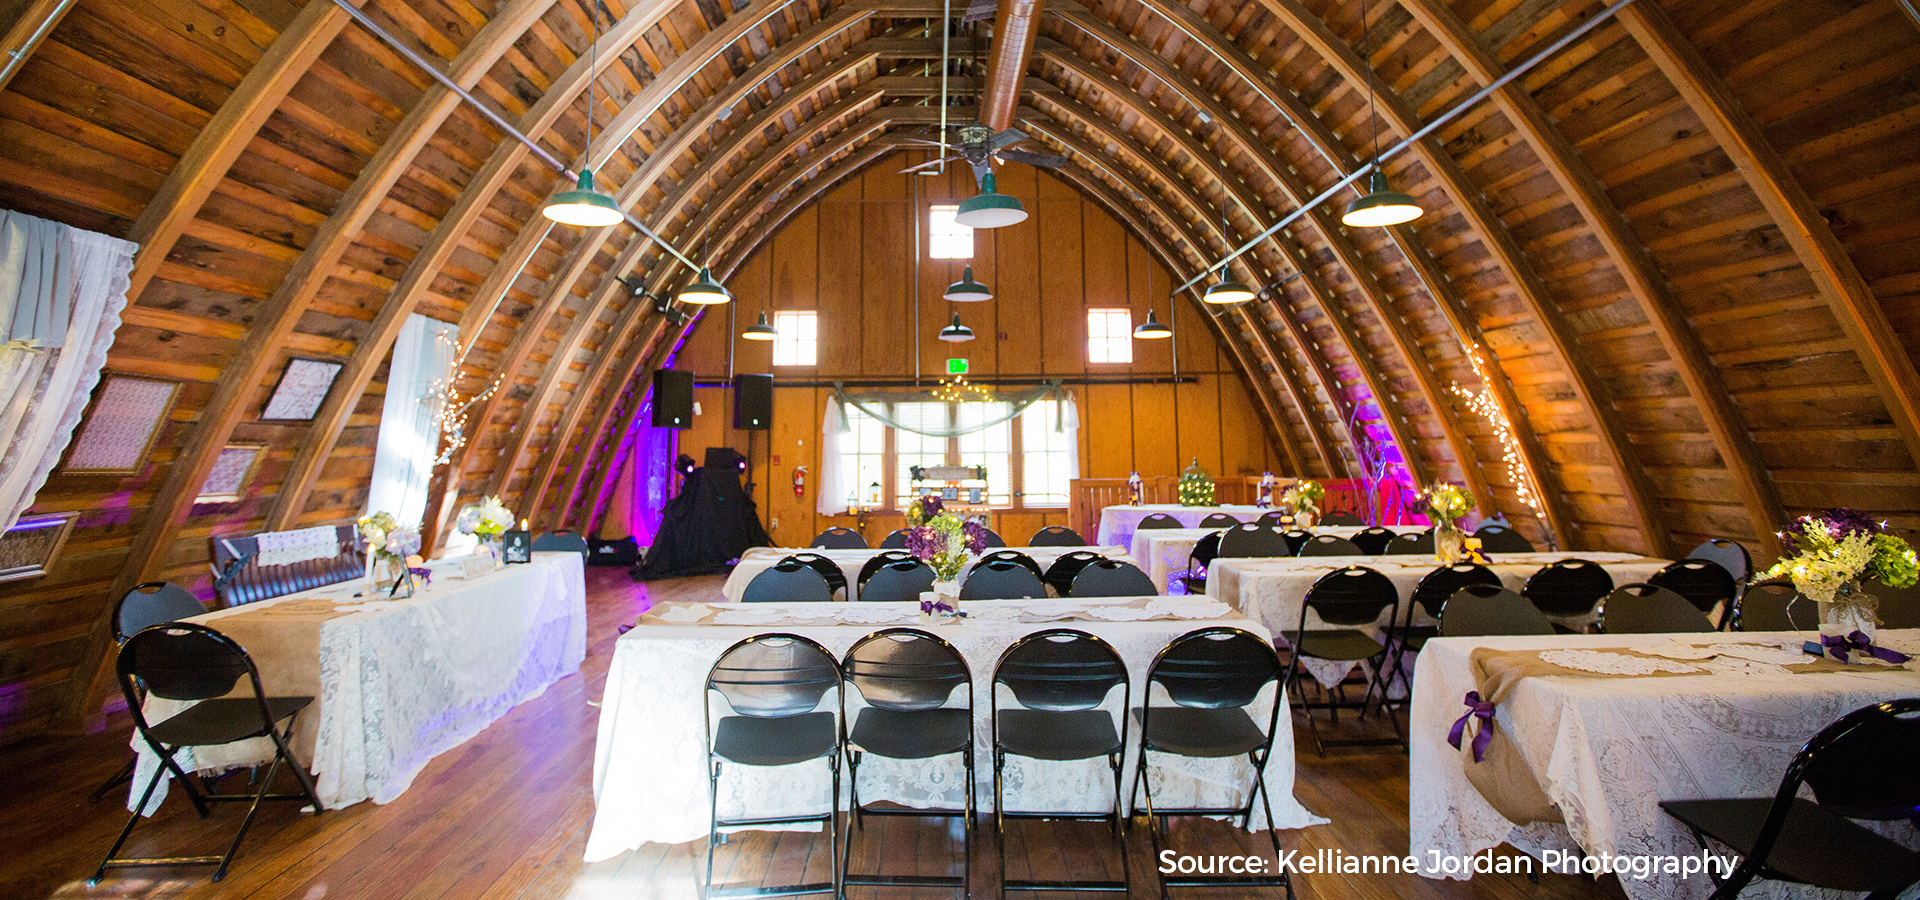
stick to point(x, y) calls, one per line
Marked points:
point(284, 641)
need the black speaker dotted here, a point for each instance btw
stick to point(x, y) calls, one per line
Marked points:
point(753, 402)
point(672, 398)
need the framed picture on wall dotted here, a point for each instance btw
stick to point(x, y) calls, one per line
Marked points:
point(121, 425)
point(303, 387)
point(232, 471)
point(28, 549)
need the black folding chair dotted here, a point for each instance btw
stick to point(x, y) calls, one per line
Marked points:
point(1704, 583)
point(1296, 538)
point(1341, 517)
point(1501, 539)
point(1650, 609)
point(1274, 518)
point(1199, 559)
point(1218, 520)
point(906, 678)
point(1113, 578)
point(1254, 541)
point(1411, 544)
point(897, 582)
point(1056, 536)
point(149, 603)
point(1023, 559)
point(1158, 520)
point(1345, 599)
point(1059, 678)
point(1372, 541)
point(1213, 676)
point(1429, 596)
point(1059, 576)
point(1899, 607)
point(1860, 767)
point(773, 683)
point(838, 538)
point(1484, 610)
point(1771, 606)
point(1002, 579)
point(895, 540)
point(1729, 554)
point(992, 539)
point(788, 581)
point(836, 577)
point(185, 661)
point(1328, 545)
point(1567, 591)
point(562, 541)
point(879, 559)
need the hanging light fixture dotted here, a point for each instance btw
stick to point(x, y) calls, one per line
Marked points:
point(705, 291)
point(956, 333)
point(1382, 206)
point(760, 331)
point(1226, 290)
point(1152, 328)
point(967, 290)
point(989, 208)
point(583, 205)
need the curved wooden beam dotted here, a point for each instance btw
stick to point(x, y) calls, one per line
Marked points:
point(1888, 364)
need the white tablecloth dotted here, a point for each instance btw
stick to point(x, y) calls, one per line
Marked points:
point(403, 681)
point(1163, 552)
point(649, 775)
point(760, 559)
point(1607, 750)
point(1272, 591)
point(1117, 523)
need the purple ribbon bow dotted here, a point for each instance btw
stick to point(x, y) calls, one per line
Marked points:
point(1476, 709)
point(425, 576)
point(1841, 646)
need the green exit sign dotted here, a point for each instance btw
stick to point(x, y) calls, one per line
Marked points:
point(956, 367)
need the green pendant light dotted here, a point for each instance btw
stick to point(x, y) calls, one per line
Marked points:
point(704, 291)
point(1152, 328)
point(1382, 206)
point(956, 333)
point(583, 205)
point(967, 290)
point(760, 331)
point(989, 208)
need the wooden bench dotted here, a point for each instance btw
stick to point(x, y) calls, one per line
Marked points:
point(239, 579)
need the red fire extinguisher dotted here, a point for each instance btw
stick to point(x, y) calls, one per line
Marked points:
point(799, 481)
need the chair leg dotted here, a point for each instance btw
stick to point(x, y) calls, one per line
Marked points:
point(246, 823)
point(1120, 825)
point(999, 816)
point(299, 772)
point(1736, 882)
point(713, 822)
point(833, 827)
point(124, 776)
point(121, 841)
point(966, 831)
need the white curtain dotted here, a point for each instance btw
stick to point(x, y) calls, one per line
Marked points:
point(61, 293)
point(833, 470)
point(1070, 429)
point(409, 437)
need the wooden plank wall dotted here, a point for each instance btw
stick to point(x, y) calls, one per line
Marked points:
point(850, 257)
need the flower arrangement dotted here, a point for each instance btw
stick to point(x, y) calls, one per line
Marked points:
point(390, 542)
point(487, 519)
point(1303, 494)
point(1443, 501)
point(1835, 547)
point(924, 509)
point(946, 543)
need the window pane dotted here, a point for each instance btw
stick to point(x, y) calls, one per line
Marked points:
point(912, 449)
point(863, 456)
point(1109, 335)
point(798, 342)
point(992, 447)
point(947, 239)
point(1043, 451)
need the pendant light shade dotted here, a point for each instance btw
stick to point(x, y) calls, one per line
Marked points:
point(583, 205)
point(704, 291)
point(1152, 329)
point(760, 331)
point(1381, 206)
point(967, 290)
point(989, 208)
point(1227, 291)
point(956, 333)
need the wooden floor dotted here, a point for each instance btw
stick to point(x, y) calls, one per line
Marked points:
point(506, 816)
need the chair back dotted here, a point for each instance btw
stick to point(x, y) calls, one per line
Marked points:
point(1328, 545)
point(1215, 668)
point(1704, 583)
point(1014, 556)
point(1205, 551)
point(1112, 578)
point(1435, 587)
point(838, 538)
point(1861, 766)
point(1480, 610)
point(880, 559)
point(1372, 541)
point(836, 577)
point(895, 540)
point(182, 661)
point(153, 603)
point(1730, 555)
point(898, 581)
point(1411, 544)
point(1568, 588)
point(1341, 517)
point(1218, 520)
point(991, 539)
point(561, 542)
point(1158, 520)
point(1002, 579)
point(1297, 537)
point(773, 676)
point(906, 669)
point(1059, 576)
point(1501, 539)
point(1254, 540)
point(1650, 609)
point(1275, 518)
point(788, 581)
point(1768, 606)
point(1059, 670)
point(1355, 595)
point(1056, 536)
point(1899, 607)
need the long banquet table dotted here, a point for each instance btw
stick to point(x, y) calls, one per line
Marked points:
point(760, 559)
point(397, 682)
point(1606, 750)
point(1163, 552)
point(649, 773)
point(1118, 523)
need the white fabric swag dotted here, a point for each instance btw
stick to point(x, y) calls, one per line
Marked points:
point(61, 293)
point(409, 436)
point(833, 464)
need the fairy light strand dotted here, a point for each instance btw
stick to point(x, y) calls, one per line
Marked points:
point(1483, 402)
point(959, 390)
point(451, 408)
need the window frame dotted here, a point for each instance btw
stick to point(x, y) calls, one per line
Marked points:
point(936, 236)
point(783, 341)
point(894, 483)
point(1120, 342)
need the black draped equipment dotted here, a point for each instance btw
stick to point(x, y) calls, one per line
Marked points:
point(707, 527)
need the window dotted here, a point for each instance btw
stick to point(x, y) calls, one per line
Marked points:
point(1026, 458)
point(991, 447)
point(798, 343)
point(1110, 335)
point(1043, 457)
point(863, 449)
point(911, 449)
point(947, 239)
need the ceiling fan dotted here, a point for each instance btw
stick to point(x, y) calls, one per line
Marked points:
point(981, 149)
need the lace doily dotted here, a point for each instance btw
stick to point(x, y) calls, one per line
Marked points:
point(1606, 663)
point(680, 615)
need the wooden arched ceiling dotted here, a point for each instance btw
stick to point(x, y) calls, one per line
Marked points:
point(1677, 256)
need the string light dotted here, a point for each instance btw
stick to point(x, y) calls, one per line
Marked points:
point(1482, 402)
point(957, 389)
point(450, 406)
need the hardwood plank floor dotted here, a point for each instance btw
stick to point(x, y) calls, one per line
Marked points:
point(505, 817)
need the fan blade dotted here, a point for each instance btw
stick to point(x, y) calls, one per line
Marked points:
point(1043, 160)
point(929, 164)
point(1006, 138)
point(931, 143)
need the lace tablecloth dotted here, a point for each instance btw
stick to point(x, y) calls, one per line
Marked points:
point(1163, 552)
point(1606, 751)
point(1272, 591)
point(760, 559)
point(398, 682)
point(1117, 523)
point(649, 776)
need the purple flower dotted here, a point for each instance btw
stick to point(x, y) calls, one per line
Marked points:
point(930, 506)
point(1840, 520)
point(924, 543)
point(976, 536)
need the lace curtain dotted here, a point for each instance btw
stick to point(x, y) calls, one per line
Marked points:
point(409, 437)
point(61, 293)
